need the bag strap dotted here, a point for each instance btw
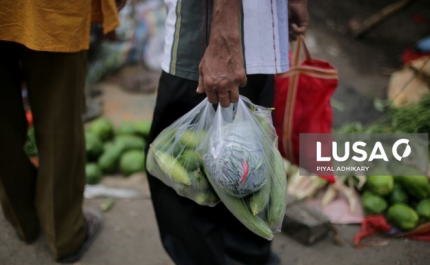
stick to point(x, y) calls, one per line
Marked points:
point(291, 96)
point(297, 67)
point(300, 48)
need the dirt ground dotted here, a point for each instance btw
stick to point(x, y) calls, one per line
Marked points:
point(130, 235)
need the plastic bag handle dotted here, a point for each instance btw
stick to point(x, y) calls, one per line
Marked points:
point(300, 47)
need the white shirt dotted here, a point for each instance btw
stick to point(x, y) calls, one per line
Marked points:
point(264, 36)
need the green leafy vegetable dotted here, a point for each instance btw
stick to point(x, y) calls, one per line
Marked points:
point(30, 146)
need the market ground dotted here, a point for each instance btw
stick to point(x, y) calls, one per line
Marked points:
point(130, 235)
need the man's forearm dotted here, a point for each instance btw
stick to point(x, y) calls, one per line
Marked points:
point(222, 70)
point(225, 26)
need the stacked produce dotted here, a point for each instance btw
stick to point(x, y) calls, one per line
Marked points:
point(108, 151)
point(401, 194)
point(173, 159)
point(404, 198)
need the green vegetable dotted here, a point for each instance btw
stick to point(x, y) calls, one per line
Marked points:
point(164, 140)
point(108, 145)
point(126, 128)
point(171, 167)
point(131, 142)
point(190, 160)
point(278, 192)
point(142, 128)
point(240, 209)
point(178, 149)
point(132, 162)
point(150, 161)
point(357, 127)
point(106, 205)
point(192, 138)
point(200, 198)
point(402, 216)
point(200, 191)
point(30, 146)
point(372, 203)
point(199, 181)
point(401, 170)
point(260, 199)
point(380, 182)
point(108, 162)
point(399, 121)
point(404, 170)
point(402, 121)
point(398, 195)
point(423, 209)
point(416, 186)
point(102, 128)
point(94, 146)
point(93, 173)
point(206, 198)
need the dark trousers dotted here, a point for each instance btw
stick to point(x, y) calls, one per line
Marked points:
point(193, 234)
point(51, 196)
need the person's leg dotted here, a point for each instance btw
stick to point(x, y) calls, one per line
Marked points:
point(188, 232)
point(17, 174)
point(55, 84)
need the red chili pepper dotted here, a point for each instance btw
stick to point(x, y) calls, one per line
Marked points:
point(245, 172)
point(29, 117)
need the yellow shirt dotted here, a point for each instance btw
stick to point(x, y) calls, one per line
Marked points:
point(55, 25)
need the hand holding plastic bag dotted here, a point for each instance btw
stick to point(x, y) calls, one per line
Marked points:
point(173, 159)
point(244, 167)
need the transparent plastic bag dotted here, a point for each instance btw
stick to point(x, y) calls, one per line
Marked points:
point(244, 166)
point(173, 159)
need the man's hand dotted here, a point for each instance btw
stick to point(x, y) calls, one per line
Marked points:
point(298, 17)
point(222, 69)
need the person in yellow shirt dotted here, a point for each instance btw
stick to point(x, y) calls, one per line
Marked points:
point(44, 43)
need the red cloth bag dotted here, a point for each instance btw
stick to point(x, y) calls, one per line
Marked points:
point(302, 100)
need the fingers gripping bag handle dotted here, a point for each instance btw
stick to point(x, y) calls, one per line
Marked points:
point(244, 167)
point(172, 156)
